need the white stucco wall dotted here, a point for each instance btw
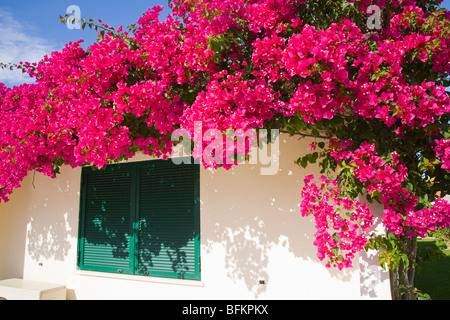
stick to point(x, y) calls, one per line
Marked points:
point(251, 231)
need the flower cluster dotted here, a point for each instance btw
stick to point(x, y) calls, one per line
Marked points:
point(384, 179)
point(231, 103)
point(442, 150)
point(425, 220)
point(340, 221)
point(321, 57)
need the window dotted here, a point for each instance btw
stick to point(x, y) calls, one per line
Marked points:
point(141, 218)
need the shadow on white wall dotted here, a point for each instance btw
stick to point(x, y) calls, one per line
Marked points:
point(257, 220)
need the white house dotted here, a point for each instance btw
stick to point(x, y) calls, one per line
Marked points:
point(247, 239)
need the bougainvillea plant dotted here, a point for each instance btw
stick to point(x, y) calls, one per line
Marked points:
point(374, 99)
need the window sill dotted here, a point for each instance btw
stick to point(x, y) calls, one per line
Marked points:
point(191, 283)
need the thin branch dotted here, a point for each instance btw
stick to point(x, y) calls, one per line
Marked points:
point(34, 175)
point(305, 135)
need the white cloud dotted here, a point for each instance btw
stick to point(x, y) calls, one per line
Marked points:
point(17, 44)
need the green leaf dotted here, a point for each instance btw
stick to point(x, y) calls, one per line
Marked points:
point(304, 162)
point(375, 194)
point(382, 261)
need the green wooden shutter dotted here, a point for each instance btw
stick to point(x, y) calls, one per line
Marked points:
point(141, 218)
point(168, 210)
point(106, 220)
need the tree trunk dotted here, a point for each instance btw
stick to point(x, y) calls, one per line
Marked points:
point(402, 277)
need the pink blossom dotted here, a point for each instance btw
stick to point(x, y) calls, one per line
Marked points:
point(234, 64)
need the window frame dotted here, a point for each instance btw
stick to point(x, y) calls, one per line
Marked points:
point(133, 244)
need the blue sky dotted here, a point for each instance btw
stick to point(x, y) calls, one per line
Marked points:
point(31, 29)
